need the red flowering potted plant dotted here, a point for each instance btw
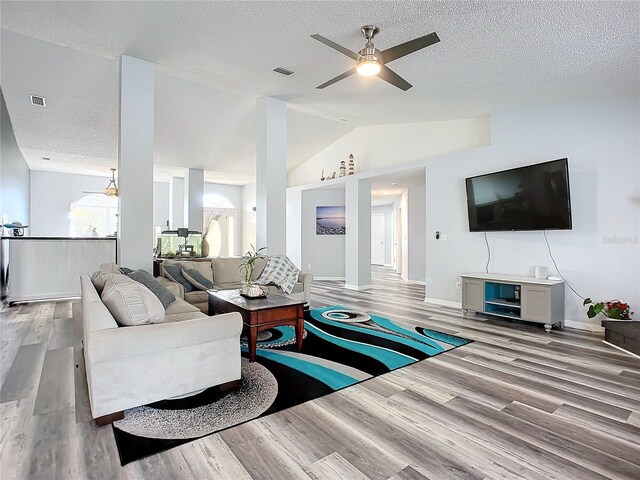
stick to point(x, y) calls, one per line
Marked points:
point(613, 309)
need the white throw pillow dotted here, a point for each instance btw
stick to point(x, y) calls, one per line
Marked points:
point(131, 303)
point(99, 277)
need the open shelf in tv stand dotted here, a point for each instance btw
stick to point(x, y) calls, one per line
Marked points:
point(514, 297)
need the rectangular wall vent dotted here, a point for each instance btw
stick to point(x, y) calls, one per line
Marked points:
point(38, 101)
point(283, 71)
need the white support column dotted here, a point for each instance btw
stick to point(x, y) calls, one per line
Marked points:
point(176, 203)
point(193, 198)
point(358, 234)
point(135, 163)
point(271, 175)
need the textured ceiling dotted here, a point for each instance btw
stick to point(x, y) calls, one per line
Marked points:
point(491, 55)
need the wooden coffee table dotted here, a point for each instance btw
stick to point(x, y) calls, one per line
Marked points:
point(259, 313)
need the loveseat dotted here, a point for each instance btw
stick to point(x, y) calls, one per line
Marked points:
point(130, 366)
point(226, 273)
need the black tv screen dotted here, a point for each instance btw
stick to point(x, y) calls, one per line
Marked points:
point(535, 197)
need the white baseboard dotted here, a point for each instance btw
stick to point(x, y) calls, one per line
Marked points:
point(356, 287)
point(417, 282)
point(621, 349)
point(443, 303)
point(328, 278)
point(387, 265)
point(589, 327)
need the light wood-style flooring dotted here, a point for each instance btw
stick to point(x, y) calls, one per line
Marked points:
point(516, 404)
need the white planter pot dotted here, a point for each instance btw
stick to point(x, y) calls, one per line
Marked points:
point(252, 291)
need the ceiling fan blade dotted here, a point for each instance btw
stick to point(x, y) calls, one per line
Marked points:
point(335, 46)
point(393, 78)
point(101, 193)
point(342, 76)
point(393, 53)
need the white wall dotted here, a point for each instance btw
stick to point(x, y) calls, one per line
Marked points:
point(248, 217)
point(14, 176)
point(160, 204)
point(382, 145)
point(600, 257)
point(51, 196)
point(325, 253)
point(387, 211)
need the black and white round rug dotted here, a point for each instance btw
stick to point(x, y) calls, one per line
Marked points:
point(203, 414)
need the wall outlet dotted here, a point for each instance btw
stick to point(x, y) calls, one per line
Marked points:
point(458, 285)
point(309, 266)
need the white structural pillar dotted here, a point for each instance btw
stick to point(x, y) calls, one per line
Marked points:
point(135, 163)
point(193, 198)
point(271, 175)
point(176, 203)
point(358, 234)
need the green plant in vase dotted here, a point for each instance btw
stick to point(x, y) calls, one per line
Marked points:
point(249, 288)
point(614, 309)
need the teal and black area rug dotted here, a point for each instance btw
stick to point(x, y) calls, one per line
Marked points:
point(341, 347)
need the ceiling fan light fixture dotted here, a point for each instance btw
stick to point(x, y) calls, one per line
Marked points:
point(368, 67)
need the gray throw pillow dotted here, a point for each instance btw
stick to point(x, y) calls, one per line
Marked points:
point(146, 279)
point(197, 279)
point(174, 273)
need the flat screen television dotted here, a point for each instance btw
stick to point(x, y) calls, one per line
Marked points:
point(535, 197)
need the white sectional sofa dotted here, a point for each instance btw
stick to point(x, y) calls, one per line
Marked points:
point(137, 365)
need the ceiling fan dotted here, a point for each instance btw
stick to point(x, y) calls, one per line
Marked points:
point(112, 188)
point(372, 61)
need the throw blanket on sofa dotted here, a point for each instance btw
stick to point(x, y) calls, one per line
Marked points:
point(281, 272)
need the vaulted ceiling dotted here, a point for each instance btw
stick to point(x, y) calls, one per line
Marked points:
point(215, 58)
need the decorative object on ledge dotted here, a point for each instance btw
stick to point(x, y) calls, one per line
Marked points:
point(352, 166)
point(322, 177)
point(333, 176)
point(16, 228)
point(343, 169)
point(330, 221)
point(249, 288)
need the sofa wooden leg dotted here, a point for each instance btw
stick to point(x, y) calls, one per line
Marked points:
point(107, 419)
point(229, 386)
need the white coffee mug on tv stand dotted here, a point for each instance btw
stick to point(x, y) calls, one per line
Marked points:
point(541, 271)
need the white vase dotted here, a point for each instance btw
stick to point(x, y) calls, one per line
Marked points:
point(252, 291)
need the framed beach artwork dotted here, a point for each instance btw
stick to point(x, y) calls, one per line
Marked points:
point(330, 221)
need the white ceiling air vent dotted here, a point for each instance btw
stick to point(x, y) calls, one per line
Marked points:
point(283, 71)
point(38, 101)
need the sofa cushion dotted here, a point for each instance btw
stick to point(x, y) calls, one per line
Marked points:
point(197, 296)
point(203, 267)
point(173, 272)
point(229, 269)
point(195, 278)
point(131, 303)
point(100, 276)
point(180, 306)
point(229, 286)
point(146, 279)
point(297, 288)
point(180, 317)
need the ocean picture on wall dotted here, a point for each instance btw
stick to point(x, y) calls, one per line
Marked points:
point(330, 221)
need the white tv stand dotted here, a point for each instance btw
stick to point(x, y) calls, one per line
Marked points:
point(518, 298)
